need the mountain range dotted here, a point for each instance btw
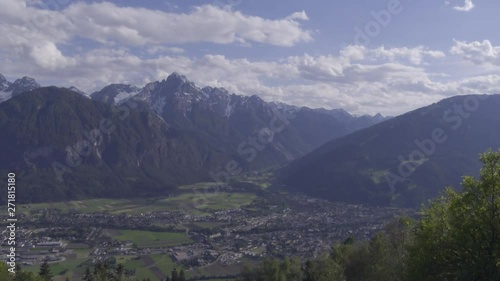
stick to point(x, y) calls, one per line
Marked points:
point(125, 140)
point(129, 141)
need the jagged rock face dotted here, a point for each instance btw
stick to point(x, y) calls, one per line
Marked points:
point(227, 120)
point(9, 90)
point(23, 85)
point(115, 93)
point(4, 84)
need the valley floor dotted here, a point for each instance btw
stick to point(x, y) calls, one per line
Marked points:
point(208, 234)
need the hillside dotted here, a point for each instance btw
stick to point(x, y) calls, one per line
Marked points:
point(374, 166)
point(63, 145)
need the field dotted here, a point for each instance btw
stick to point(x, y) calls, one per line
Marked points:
point(197, 199)
point(72, 268)
point(85, 206)
point(150, 239)
point(154, 267)
point(190, 202)
point(262, 179)
point(217, 269)
point(200, 186)
point(210, 201)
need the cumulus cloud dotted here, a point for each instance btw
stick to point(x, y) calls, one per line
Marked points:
point(162, 49)
point(298, 16)
point(466, 7)
point(413, 55)
point(108, 23)
point(47, 55)
point(477, 52)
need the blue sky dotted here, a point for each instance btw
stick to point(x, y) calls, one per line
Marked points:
point(366, 56)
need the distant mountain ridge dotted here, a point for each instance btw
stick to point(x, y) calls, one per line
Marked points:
point(119, 93)
point(9, 90)
point(180, 85)
point(225, 120)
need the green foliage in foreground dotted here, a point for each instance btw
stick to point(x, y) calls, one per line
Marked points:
point(458, 239)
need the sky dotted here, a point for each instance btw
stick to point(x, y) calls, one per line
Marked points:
point(365, 56)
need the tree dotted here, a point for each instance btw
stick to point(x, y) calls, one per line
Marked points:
point(19, 274)
point(182, 276)
point(100, 272)
point(87, 275)
point(120, 272)
point(323, 270)
point(4, 272)
point(292, 269)
point(45, 272)
point(459, 236)
point(175, 275)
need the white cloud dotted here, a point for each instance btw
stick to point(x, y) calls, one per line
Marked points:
point(466, 7)
point(477, 52)
point(321, 68)
point(161, 49)
point(47, 55)
point(414, 55)
point(298, 16)
point(106, 22)
point(111, 25)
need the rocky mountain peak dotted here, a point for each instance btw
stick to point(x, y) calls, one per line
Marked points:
point(28, 81)
point(22, 85)
point(2, 79)
point(177, 79)
point(115, 93)
point(215, 92)
point(4, 84)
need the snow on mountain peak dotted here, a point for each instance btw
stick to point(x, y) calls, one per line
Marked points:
point(115, 93)
point(76, 90)
point(4, 84)
point(22, 85)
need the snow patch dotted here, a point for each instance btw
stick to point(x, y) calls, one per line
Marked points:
point(123, 95)
point(229, 110)
point(159, 105)
point(5, 95)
